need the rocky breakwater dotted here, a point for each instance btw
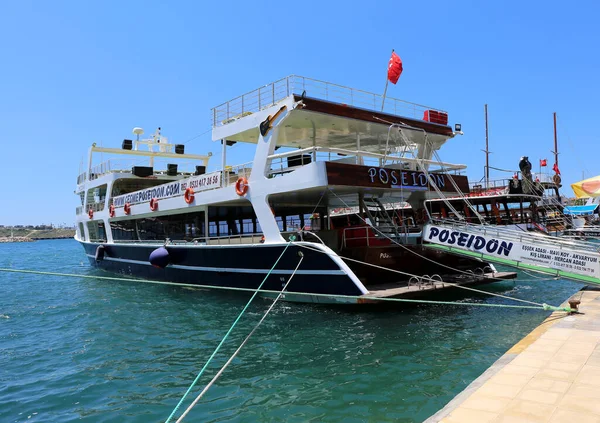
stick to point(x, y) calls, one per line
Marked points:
point(15, 239)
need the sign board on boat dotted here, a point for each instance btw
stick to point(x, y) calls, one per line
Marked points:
point(171, 189)
point(381, 177)
point(537, 254)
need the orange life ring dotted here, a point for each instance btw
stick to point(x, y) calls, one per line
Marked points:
point(127, 208)
point(91, 213)
point(189, 195)
point(154, 204)
point(241, 186)
point(111, 210)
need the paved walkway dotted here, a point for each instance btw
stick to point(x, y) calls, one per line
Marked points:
point(552, 375)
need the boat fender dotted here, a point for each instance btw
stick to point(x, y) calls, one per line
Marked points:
point(241, 186)
point(160, 258)
point(154, 204)
point(100, 253)
point(189, 195)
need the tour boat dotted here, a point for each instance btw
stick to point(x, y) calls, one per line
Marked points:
point(525, 202)
point(318, 148)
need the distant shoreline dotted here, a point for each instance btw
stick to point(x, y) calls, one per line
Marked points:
point(30, 235)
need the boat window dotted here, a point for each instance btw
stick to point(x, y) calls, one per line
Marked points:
point(96, 231)
point(81, 232)
point(96, 197)
point(186, 226)
point(123, 230)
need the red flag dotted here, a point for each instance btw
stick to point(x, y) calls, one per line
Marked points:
point(555, 168)
point(394, 68)
point(543, 162)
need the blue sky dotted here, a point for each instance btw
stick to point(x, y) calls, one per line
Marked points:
point(78, 72)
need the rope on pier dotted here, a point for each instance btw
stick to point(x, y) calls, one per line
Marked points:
point(256, 291)
point(305, 294)
point(207, 387)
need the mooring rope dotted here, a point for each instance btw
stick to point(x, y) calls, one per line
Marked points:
point(301, 294)
point(227, 334)
point(207, 387)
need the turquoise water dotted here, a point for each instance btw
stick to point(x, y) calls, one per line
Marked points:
point(74, 349)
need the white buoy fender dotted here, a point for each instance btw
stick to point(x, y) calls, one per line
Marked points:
point(160, 258)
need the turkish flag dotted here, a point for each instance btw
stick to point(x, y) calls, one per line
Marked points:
point(555, 168)
point(543, 162)
point(394, 68)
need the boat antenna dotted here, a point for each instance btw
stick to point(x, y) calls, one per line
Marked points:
point(555, 152)
point(487, 151)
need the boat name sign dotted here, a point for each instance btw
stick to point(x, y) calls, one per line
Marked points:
point(171, 189)
point(544, 256)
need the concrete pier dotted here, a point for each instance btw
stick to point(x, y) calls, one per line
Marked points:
point(551, 375)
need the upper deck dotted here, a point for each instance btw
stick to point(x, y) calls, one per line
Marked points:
point(330, 115)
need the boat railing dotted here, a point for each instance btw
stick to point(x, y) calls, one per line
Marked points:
point(270, 94)
point(78, 210)
point(286, 162)
point(232, 173)
point(125, 166)
point(95, 206)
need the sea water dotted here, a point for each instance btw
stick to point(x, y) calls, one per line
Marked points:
point(91, 350)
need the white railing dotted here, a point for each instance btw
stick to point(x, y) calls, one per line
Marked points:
point(96, 207)
point(274, 92)
point(232, 173)
point(288, 161)
point(124, 166)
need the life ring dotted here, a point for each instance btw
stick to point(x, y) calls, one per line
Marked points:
point(91, 213)
point(127, 208)
point(556, 179)
point(189, 195)
point(154, 204)
point(111, 210)
point(241, 186)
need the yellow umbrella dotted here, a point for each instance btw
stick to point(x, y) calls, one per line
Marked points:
point(587, 188)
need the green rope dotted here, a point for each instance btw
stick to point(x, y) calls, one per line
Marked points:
point(267, 291)
point(226, 336)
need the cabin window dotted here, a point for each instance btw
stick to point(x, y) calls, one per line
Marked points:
point(185, 226)
point(96, 231)
point(96, 197)
point(81, 232)
point(124, 230)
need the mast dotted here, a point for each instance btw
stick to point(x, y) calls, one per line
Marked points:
point(487, 151)
point(555, 143)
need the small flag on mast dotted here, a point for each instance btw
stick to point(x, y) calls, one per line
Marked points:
point(543, 162)
point(555, 168)
point(394, 68)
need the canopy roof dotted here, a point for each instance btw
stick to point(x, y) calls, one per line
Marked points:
point(581, 210)
point(587, 188)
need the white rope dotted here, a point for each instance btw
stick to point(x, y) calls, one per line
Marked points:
point(220, 372)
